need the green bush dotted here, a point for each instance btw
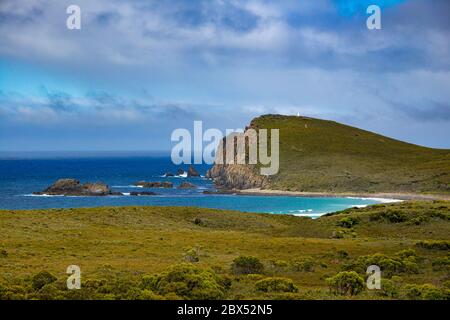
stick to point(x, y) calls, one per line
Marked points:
point(442, 263)
point(419, 220)
point(342, 254)
point(426, 292)
point(404, 254)
point(276, 285)
point(348, 222)
point(346, 283)
point(389, 288)
point(247, 265)
point(186, 281)
point(434, 244)
point(41, 279)
point(389, 215)
point(305, 265)
point(192, 255)
point(402, 262)
point(3, 254)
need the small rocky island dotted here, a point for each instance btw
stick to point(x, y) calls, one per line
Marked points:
point(154, 185)
point(192, 172)
point(187, 185)
point(73, 187)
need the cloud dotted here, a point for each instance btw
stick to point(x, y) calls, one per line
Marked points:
point(151, 33)
point(145, 66)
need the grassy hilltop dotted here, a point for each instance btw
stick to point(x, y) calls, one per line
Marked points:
point(326, 156)
point(192, 253)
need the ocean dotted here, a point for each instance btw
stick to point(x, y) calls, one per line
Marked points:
point(23, 173)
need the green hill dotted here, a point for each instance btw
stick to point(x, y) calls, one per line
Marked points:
point(326, 156)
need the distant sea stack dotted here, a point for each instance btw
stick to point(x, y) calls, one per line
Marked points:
point(73, 187)
point(326, 156)
point(192, 172)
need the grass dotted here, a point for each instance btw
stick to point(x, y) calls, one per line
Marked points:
point(122, 246)
point(326, 156)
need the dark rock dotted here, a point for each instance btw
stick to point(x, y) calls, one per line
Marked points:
point(236, 176)
point(180, 171)
point(219, 192)
point(144, 193)
point(154, 185)
point(73, 187)
point(187, 185)
point(168, 174)
point(192, 172)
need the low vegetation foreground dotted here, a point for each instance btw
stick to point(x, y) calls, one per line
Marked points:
point(192, 253)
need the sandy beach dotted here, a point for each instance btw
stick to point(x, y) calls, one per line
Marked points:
point(381, 196)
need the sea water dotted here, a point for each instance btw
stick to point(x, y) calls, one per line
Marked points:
point(23, 173)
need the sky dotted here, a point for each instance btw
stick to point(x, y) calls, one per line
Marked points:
point(137, 70)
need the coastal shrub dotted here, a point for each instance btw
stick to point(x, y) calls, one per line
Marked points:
point(276, 285)
point(186, 281)
point(426, 292)
point(3, 254)
point(389, 288)
point(278, 265)
point(447, 284)
point(419, 220)
point(442, 263)
point(41, 279)
point(346, 283)
point(342, 254)
point(246, 265)
point(337, 234)
point(306, 264)
point(348, 222)
point(12, 292)
point(403, 254)
point(192, 255)
point(389, 215)
point(402, 262)
point(434, 244)
point(198, 222)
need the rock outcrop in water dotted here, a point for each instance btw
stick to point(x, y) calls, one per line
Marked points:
point(154, 185)
point(187, 185)
point(143, 193)
point(73, 187)
point(192, 172)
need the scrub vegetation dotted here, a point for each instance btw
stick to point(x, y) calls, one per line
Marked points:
point(164, 253)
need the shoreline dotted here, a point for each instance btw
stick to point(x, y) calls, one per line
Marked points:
point(380, 195)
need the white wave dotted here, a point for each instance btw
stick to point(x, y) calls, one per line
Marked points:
point(125, 193)
point(382, 200)
point(360, 206)
point(297, 211)
point(130, 186)
point(183, 175)
point(310, 215)
point(43, 195)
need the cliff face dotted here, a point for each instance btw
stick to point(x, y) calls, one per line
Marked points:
point(237, 176)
